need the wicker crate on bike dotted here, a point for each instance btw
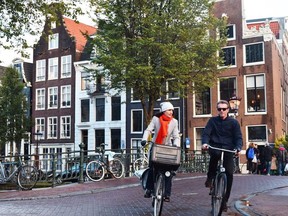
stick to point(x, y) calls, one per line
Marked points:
point(166, 155)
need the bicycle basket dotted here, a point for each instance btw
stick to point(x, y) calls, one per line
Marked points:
point(167, 155)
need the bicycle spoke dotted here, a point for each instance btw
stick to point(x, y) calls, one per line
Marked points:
point(159, 193)
point(117, 168)
point(27, 177)
point(95, 171)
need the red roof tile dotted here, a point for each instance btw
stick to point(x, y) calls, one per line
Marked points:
point(76, 30)
point(274, 26)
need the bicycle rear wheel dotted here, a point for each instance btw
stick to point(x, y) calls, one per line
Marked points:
point(116, 168)
point(218, 193)
point(95, 171)
point(140, 163)
point(159, 195)
point(27, 177)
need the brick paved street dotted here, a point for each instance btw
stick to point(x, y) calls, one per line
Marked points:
point(125, 197)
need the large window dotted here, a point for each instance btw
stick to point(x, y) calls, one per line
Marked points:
point(53, 41)
point(136, 121)
point(65, 127)
point(85, 110)
point(99, 137)
point(116, 108)
point(53, 97)
point(229, 56)
point(172, 89)
point(40, 126)
point(257, 133)
point(203, 102)
point(100, 109)
point(66, 66)
point(53, 68)
point(227, 88)
point(254, 53)
point(40, 99)
point(115, 139)
point(255, 91)
point(52, 128)
point(40, 70)
point(231, 32)
point(198, 138)
point(65, 96)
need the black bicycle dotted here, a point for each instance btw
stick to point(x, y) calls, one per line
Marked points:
point(219, 186)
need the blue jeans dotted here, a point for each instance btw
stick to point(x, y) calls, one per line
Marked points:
point(281, 166)
point(268, 167)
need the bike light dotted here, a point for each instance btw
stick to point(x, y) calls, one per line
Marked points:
point(167, 174)
point(222, 169)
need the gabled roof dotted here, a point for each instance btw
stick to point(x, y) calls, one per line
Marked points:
point(274, 26)
point(78, 31)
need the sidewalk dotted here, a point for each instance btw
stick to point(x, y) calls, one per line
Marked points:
point(270, 202)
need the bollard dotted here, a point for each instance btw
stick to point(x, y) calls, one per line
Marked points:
point(53, 170)
point(81, 178)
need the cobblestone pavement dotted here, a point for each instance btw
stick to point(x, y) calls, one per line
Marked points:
point(267, 195)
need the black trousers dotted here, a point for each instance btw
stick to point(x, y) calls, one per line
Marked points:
point(150, 182)
point(228, 163)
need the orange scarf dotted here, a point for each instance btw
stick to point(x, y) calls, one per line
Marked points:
point(163, 131)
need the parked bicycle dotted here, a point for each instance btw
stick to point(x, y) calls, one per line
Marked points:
point(26, 176)
point(97, 169)
point(219, 186)
point(142, 162)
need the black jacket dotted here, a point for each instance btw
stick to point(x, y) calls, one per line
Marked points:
point(223, 133)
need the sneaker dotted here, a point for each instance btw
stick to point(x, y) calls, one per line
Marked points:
point(167, 199)
point(147, 194)
point(224, 207)
point(208, 183)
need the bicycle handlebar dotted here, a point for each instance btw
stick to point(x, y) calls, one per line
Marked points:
point(221, 149)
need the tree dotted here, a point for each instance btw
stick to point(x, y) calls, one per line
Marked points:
point(143, 44)
point(21, 18)
point(13, 105)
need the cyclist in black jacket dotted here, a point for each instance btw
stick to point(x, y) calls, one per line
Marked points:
point(222, 131)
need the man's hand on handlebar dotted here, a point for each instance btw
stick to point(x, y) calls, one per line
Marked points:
point(205, 146)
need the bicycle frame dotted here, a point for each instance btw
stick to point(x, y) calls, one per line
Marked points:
point(3, 177)
point(218, 190)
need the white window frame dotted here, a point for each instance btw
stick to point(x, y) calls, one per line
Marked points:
point(259, 142)
point(198, 150)
point(40, 126)
point(66, 66)
point(234, 33)
point(40, 70)
point(40, 99)
point(65, 127)
point(53, 68)
point(132, 119)
point(230, 66)
point(253, 63)
point(194, 106)
point(53, 41)
point(177, 93)
point(52, 97)
point(52, 127)
point(66, 96)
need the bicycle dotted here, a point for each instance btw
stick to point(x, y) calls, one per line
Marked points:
point(25, 175)
point(96, 169)
point(219, 185)
point(142, 162)
point(165, 159)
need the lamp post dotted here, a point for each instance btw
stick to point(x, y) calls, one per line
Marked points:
point(234, 103)
point(37, 134)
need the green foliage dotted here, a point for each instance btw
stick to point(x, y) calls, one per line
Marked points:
point(142, 44)
point(21, 18)
point(13, 106)
point(281, 140)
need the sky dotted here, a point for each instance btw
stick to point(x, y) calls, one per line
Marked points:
point(253, 9)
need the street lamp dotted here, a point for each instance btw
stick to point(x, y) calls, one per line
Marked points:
point(37, 134)
point(234, 103)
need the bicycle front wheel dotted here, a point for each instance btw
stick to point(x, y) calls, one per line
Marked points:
point(159, 195)
point(116, 168)
point(27, 177)
point(95, 171)
point(218, 194)
point(140, 163)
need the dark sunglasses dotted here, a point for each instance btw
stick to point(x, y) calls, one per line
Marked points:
point(224, 109)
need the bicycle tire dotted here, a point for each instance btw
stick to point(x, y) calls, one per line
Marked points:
point(218, 192)
point(95, 171)
point(140, 163)
point(159, 195)
point(117, 168)
point(27, 177)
